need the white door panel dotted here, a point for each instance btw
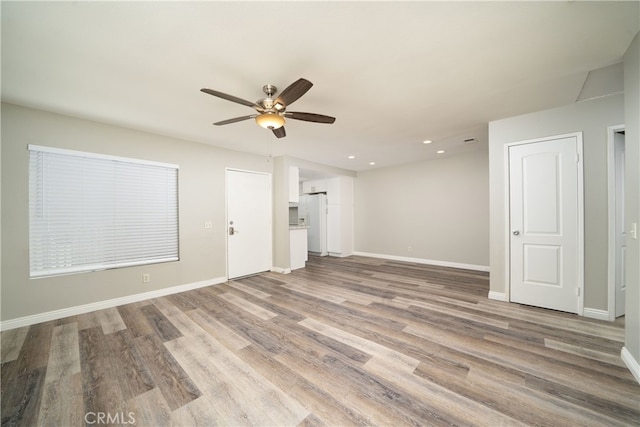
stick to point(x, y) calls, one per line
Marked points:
point(249, 234)
point(543, 265)
point(544, 253)
point(541, 171)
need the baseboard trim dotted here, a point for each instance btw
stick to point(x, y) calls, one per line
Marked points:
point(594, 313)
point(101, 305)
point(632, 364)
point(475, 267)
point(340, 254)
point(497, 296)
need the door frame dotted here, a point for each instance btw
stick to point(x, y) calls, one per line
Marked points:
point(580, 219)
point(226, 210)
point(611, 212)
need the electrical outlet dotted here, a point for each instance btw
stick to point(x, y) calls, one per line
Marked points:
point(208, 224)
point(409, 249)
point(146, 278)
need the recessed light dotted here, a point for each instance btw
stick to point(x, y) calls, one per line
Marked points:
point(427, 141)
point(351, 157)
point(372, 163)
point(440, 152)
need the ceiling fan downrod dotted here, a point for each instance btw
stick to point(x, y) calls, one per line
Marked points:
point(269, 103)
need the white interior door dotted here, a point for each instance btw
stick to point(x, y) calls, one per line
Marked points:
point(249, 231)
point(621, 236)
point(545, 218)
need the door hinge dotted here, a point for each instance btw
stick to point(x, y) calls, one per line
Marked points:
point(577, 157)
point(578, 291)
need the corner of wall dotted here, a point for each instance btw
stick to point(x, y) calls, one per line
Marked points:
point(497, 296)
point(631, 351)
point(631, 363)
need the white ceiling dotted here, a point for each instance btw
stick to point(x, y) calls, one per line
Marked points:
point(392, 73)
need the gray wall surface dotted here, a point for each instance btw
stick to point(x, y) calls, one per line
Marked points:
point(632, 196)
point(592, 119)
point(439, 207)
point(202, 198)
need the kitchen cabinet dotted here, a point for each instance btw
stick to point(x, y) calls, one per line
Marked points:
point(334, 229)
point(314, 186)
point(340, 218)
point(298, 247)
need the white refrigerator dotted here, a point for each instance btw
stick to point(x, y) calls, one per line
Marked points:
point(312, 211)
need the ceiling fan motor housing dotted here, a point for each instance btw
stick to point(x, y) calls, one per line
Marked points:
point(270, 90)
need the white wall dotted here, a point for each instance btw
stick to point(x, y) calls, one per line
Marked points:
point(202, 198)
point(592, 118)
point(439, 208)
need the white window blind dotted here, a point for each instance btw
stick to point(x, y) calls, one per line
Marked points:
point(91, 212)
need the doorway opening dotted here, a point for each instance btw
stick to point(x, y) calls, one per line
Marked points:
point(617, 233)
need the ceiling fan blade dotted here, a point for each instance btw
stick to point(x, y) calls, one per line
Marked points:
point(309, 117)
point(229, 97)
point(235, 119)
point(280, 133)
point(293, 92)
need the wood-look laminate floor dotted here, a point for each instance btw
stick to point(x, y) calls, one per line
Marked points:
point(351, 341)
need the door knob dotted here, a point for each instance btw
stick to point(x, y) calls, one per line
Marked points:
point(516, 233)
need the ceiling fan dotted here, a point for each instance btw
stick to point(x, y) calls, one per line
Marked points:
point(271, 112)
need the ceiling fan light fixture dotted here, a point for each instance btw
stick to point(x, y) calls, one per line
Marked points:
point(270, 120)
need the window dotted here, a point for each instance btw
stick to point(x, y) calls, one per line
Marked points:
point(91, 212)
